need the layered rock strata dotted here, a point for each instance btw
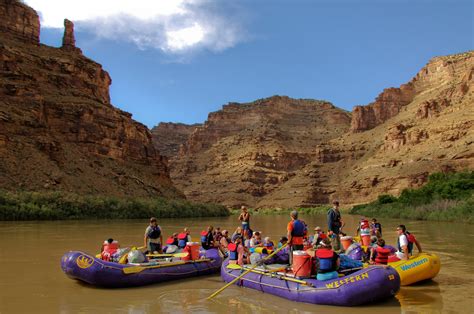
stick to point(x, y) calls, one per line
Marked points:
point(283, 152)
point(168, 137)
point(58, 129)
point(244, 152)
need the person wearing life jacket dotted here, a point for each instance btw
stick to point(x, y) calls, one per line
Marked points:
point(376, 228)
point(237, 252)
point(296, 232)
point(335, 224)
point(364, 227)
point(256, 240)
point(207, 238)
point(318, 236)
point(217, 234)
point(328, 261)
point(173, 240)
point(109, 248)
point(405, 243)
point(268, 244)
point(379, 254)
point(183, 238)
point(153, 237)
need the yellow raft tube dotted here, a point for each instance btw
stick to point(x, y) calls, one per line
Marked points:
point(418, 267)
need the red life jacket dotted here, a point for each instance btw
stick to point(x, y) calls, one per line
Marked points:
point(382, 255)
point(108, 250)
point(326, 263)
point(364, 224)
point(170, 240)
point(232, 251)
point(204, 235)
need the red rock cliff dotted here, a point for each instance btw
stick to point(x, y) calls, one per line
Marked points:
point(439, 73)
point(283, 152)
point(168, 137)
point(19, 21)
point(245, 152)
point(58, 129)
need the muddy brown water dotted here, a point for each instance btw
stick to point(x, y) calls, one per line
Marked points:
point(31, 279)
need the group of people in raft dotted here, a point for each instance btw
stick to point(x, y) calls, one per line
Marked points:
point(247, 247)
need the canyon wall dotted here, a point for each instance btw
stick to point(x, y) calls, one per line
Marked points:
point(283, 152)
point(58, 129)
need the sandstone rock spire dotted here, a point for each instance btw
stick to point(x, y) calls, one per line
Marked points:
point(69, 41)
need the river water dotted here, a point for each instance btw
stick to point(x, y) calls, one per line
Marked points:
point(31, 279)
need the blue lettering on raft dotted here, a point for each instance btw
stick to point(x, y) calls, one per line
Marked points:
point(414, 264)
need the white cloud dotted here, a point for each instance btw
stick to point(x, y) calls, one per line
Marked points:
point(173, 26)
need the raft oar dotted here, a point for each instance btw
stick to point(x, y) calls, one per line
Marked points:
point(137, 269)
point(246, 272)
point(183, 254)
point(237, 266)
point(271, 274)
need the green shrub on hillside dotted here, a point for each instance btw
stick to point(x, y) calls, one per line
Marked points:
point(446, 196)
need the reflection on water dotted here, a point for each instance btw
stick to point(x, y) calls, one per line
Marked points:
point(31, 279)
point(423, 297)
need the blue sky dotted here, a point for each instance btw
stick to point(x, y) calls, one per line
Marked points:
point(199, 55)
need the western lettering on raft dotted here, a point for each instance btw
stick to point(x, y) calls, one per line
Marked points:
point(346, 280)
point(414, 264)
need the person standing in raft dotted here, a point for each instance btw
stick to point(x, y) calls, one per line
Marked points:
point(405, 243)
point(296, 232)
point(328, 261)
point(335, 224)
point(245, 220)
point(153, 237)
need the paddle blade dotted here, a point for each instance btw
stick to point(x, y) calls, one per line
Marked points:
point(234, 266)
point(132, 269)
point(184, 254)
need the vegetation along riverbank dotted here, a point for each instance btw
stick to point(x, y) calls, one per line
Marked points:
point(446, 197)
point(56, 206)
point(323, 209)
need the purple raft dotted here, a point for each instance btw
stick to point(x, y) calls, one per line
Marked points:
point(365, 286)
point(84, 267)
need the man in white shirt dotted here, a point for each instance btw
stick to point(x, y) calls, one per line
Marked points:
point(403, 251)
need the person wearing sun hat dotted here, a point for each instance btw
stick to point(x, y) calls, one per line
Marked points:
point(318, 236)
